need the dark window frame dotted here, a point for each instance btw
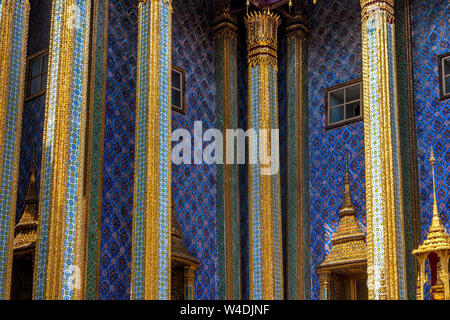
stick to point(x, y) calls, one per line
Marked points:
point(31, 58)
point(442, 76)
point(341, 123)
point(181, 71)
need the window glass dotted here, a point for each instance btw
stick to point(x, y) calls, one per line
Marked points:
point(447, 66)
point(44, 81)
point(176, 98)
point(176, 79)
point(35, 86)
point(353, 93)
point(45, 63)
point(337, 114)
point(343, 104)
point(447, 85)
point(337, 97)
point(352, 110)
point(37, 75)
point(178, 89)
point(35, 67)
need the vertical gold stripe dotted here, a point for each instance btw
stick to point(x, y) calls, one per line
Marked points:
point(56, 224)
point(227, 170)
point(169, 161)
point(152, 203)
point(6, 33)
point(381, 13)
point(5, 51)
point(368, 157)
point(300, 181)
point(250, 189)
point(82, 208)
point(262, 46)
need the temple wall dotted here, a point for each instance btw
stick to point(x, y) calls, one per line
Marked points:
point(334, 52)
point(118, 163)
point(33, 110)
point(334, 58)
point(243, 169)
point(430, 38)
point(194, 186)
point(282, 124)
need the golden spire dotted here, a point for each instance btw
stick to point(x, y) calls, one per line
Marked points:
point(348, 242)
point(436, 221)
point(27, 227)
point(348, 203)
point(438, 237)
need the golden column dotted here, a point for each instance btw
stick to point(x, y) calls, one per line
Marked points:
point(297, 228)
point(13, 49)
point(385, 236)
point(61, 249)
point(265, 243)
point(150, 271)
point(229, 270)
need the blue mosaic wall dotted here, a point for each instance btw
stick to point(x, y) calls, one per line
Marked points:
point(334, 58)
point(117, 210)
point(282, 124)
point(33, 110)
point(243, 169)
point(431, 38)
point(194, 186)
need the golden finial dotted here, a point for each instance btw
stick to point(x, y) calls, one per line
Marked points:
point(314, 1)
point(290, 5)
point(437, 241)
point(348, 241)
point(348, 203)
point(436, 220)
point(437, 235)
point(248, 5)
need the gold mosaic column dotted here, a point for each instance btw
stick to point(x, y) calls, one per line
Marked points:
point(297, 191)
point(13, 49)
point(385, 236)
point(265, 243)
point(229, 267)
point(61, 248)
point(150, 271)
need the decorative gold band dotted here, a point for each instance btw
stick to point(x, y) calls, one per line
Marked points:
point(262, 41)
point(373, 7)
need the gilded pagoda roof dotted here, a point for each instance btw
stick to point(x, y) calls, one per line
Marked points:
point(349, 241)
point(26, 229)
point(179, 250)
point(437, 238)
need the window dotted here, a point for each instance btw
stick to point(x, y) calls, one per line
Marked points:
point(37, 74)
point(343, 104)
point(178, 100)
point(444, 75)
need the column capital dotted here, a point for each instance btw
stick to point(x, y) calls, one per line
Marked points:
point(225, 25)
point(297, 28)
point(372, 7)
point(262, 36)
